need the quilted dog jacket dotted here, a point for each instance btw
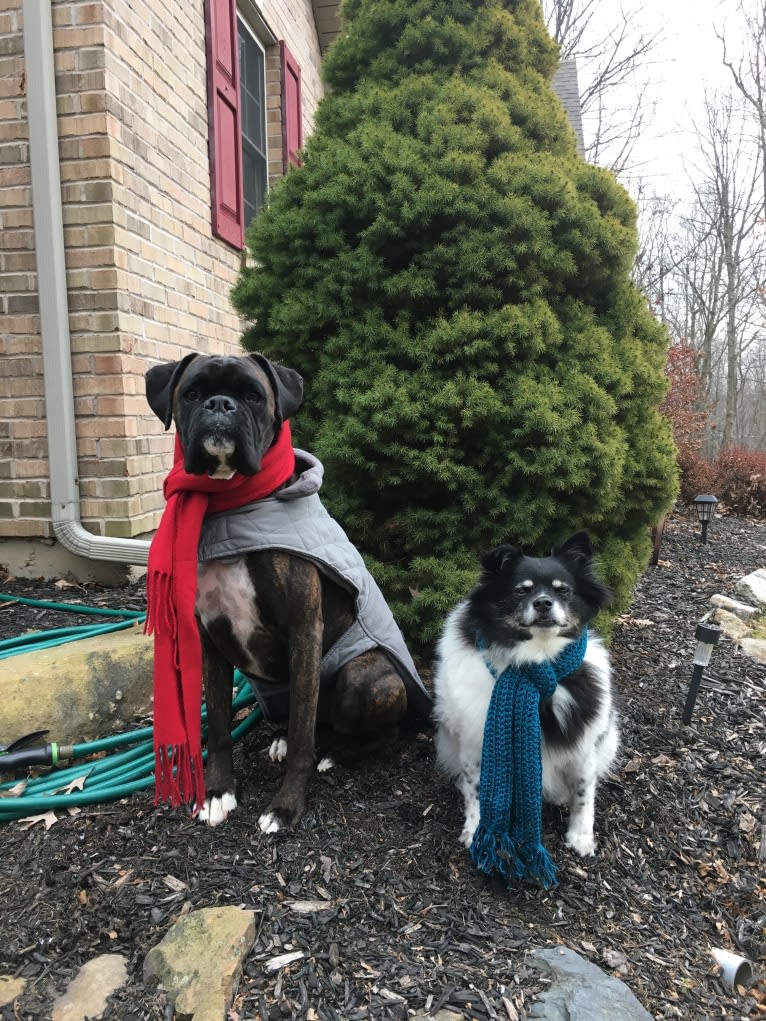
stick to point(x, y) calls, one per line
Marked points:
point(295, 520)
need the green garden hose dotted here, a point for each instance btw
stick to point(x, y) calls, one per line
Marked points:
point(125, 761)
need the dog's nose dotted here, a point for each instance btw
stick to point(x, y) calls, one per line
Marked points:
point(543, 604)
point(220, 403)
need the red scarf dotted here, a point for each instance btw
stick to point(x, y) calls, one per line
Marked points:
point(171, 589)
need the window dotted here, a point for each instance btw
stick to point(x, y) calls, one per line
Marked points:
point(252, 105)
point(243, 153)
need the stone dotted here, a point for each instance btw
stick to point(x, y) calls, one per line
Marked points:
point(87, 993)
point(440, 1015)
point(755, 648)
point(10, 988)
point(743, 610)
point(731, 625)
point(581, 992)
point(752, 588)
point(80, 690)
point(199, 961)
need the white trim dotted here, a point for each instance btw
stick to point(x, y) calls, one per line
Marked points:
point(252, 15)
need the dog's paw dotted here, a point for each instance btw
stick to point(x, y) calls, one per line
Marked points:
point(217, 809)
point(466, 837)
point(278, 749)
point(583, 843)
point(325, 764)
point(270, 822)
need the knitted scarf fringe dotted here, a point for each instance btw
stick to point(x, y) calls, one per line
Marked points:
point(498, 854)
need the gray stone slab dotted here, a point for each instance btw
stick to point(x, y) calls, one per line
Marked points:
point(744, 610)
point(582, 992)
point(752, 588)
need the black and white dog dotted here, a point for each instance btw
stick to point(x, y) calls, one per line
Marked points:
point(528, 609)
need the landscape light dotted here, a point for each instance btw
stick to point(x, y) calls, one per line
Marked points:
point(704, 506)
point(707, 636)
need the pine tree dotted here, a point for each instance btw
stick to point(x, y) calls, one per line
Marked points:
point(453, 281)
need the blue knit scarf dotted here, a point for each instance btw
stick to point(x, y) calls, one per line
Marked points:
point(508, 839)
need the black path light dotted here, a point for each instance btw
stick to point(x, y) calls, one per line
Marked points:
point(707, 636)
point(704, 506)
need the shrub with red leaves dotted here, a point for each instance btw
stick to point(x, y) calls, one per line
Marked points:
point(739, 480)
point(687, 407)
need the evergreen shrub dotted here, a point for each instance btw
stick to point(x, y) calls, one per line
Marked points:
point(453, 281)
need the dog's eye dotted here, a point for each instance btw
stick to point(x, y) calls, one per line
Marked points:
point(253, 396)
point(563, 590)
point(191, 396)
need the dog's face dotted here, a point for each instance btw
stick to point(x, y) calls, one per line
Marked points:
point(520, 598)
point(228, 410)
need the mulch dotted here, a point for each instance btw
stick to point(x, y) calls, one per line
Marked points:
point(400, 919)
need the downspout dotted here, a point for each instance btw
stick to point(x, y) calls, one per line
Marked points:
point(54, 306)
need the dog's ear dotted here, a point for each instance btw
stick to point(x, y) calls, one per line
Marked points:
point(287, 385)
point(579, 551)
point(495, 561)
point(161, 381)
point(577, 547)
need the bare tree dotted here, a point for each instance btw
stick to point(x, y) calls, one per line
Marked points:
point(748, 72)
point(612, 49)
point(724, 272)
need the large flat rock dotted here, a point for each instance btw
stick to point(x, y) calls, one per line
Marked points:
point(199, 961)
point(582, 992)
point(77, 691)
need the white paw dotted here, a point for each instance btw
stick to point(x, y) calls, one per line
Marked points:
point(325, 764)
point(278, 749)
point(217, 810)
point(269, 823)
point(466, 837)
point(583, 843)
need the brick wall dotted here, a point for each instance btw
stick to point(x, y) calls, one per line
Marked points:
point(146, 279)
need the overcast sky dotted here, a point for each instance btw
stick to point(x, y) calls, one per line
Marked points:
point(686, 60)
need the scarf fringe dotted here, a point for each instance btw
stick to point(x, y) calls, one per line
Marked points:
point(178, 777)
point(497, 854)
point(160, 611)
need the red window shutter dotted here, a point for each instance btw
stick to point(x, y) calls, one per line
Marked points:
point(224, 140)
point(292, 121)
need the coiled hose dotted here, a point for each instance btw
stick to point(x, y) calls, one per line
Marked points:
point(125, 761)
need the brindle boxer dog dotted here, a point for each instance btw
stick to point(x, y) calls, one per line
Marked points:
point(271, 614)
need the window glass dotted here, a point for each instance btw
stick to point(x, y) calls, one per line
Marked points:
point(252, 87)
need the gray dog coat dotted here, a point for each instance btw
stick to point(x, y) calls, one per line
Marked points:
point(294, 520)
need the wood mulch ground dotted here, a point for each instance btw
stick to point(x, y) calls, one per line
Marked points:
point(404, 920)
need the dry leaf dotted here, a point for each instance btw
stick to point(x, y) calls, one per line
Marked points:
point(75, 785)
point(14, 791)
point(662, 760)
point(48, 819)
point(747, 823)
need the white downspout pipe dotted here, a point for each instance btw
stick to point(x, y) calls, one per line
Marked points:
point(54, 305)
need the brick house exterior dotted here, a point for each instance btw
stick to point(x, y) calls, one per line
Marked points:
point(147, 279)
point(148, 260)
